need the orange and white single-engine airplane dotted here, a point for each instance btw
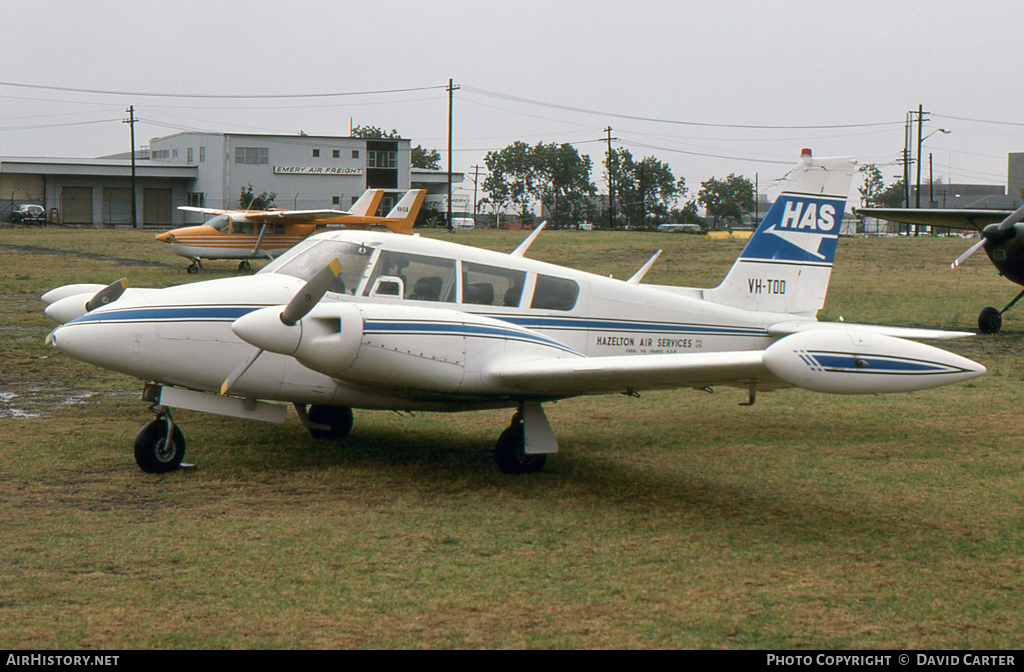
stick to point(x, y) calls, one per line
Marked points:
point(266, 234)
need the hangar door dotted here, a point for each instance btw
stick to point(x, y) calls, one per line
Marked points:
point(15, 187)
point(76, 205)
point(156, 206)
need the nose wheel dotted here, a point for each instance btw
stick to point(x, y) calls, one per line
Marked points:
point(990, 320)
point(159, 445)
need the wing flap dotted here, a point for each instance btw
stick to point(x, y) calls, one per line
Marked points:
point(598, 375)
point(910, 333)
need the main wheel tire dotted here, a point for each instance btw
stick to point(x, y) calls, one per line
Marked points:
point(192, 270)
point(989, 320)
point(338, 418)
point(153, 452)
point(510, 452)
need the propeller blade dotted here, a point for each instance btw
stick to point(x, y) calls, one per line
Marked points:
point(239, 371)
point(963, 257)
point(108, 294)
point(311, 294)
point(1015, 217)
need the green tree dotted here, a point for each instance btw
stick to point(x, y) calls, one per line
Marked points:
point(560, 180)
point(892, 196)
point(374, 133)
point(644, 189)
point(248, 200)
point(873, 186)
point(508, 182)
point(429, 159)
point(726, 200)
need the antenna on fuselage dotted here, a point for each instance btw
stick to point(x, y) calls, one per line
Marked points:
point(639, 275)
point(525, 245)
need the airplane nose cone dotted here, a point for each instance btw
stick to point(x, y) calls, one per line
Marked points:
point(167, 237)
point(67, 309)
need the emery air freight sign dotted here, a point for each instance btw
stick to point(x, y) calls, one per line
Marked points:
point(316, 170)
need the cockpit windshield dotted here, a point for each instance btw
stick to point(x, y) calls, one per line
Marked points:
point(220, 222)
point(310, 256)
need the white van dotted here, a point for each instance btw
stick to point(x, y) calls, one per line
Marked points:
point(463, 223)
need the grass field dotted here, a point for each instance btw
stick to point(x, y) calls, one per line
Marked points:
point(679, 519)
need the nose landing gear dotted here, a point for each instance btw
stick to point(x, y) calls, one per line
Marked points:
point(159, 445)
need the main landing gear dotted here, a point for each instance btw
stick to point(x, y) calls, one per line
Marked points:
point(244, 266)
point(990, 320)
point(510, 451)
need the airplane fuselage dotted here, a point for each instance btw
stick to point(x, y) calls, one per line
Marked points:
point(182, 335)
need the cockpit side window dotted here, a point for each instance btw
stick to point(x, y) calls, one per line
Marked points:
point(553, 293)
point(422, 278)
point(491, 286)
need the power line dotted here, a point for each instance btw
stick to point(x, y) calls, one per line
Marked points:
point(528, 101)
point(103, 92)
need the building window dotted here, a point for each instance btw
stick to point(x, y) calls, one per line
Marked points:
point(335, 200)
point(190, 155)
point(162, 154)
point(174, 153)
point(202, 154)
point(355, 153)
point(252, 156)
point(381, 159)
point(335, 153)
point(197, 199)
point(316, 153)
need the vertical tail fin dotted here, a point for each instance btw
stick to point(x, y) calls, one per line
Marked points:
point(403, 215)
point(367, 204)
point(787, 263)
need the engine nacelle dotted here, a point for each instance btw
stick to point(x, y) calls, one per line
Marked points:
point(850, 362)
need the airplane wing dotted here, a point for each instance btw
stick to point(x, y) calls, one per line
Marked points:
point(295, 216)
point(291, 216)
point(595, 375)
point(205, 211)
point(837, 361)
point(911, 333)
point(951, 218)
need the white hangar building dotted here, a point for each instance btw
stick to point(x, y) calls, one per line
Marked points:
point(211, 170)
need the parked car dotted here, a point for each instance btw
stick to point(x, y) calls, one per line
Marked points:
point(28, 213)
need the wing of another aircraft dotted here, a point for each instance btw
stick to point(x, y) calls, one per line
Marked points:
point(951, 218)
point(296, 216)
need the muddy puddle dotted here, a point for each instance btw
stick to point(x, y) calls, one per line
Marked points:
point(26, 402)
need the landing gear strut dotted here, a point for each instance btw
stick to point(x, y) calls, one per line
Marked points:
point(159, 445)
point(990, 320)
point(510, 450)
point(244, 266)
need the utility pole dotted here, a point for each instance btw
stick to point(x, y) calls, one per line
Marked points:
point(611, 181)
point(920, 124)
point(451, 95)
point(476, 182)
point(131, 123)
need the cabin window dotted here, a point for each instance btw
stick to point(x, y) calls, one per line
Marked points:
point(423, 278)
point(491, 286)
point(243, 227)
point(309, 257)
point(555, 293)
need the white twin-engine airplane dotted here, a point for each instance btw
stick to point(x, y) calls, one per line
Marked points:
point(353, 319)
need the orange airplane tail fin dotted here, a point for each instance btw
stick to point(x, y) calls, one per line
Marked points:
point(367, 204)
point(403, 216)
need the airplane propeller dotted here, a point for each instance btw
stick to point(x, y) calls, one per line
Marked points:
point(108, 294)
point(300, 305)
point(993, 233)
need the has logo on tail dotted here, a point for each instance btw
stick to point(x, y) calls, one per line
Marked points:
point(787, 263)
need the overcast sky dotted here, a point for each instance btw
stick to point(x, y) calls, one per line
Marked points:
point(688, 82)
